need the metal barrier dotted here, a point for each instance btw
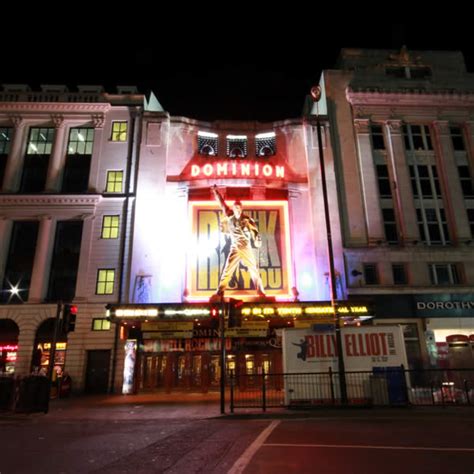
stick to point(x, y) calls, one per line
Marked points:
point(383, 386)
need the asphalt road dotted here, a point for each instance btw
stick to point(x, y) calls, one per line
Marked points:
point(162, 437)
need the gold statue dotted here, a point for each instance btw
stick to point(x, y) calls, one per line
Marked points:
point(243, 231)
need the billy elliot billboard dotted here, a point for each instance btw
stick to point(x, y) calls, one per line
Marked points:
point(211, 244)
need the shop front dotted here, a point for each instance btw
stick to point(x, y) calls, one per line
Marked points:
point(437, 328)
point(165, 353)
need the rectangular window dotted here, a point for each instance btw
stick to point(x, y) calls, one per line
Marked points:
point(35, 167)
point(78, 160)
point(433, 226)
point(65, 261)
point(119, 131)
point(383, 180)
point(425, 181)
point(444, 274)
point(399, 274)
point(457, 139)
point(114, 182)
point(370, 274)
point(417, 137)
point(5, 143)
point(100, 324)
point(21, 253)
point(378, 142)
point(105, 281)
point(470, 218)
point(390, 226)
point(467, 185)
point(110, 227)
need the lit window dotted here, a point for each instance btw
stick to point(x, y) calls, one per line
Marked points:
point(81, 141)
point(114, 182)
point(40, 141)
point(119, 131)
point(236, 146)
point(5, 140)
point(110, 227)
point(100, 324)
point(207, 143)
point(105, 281)
point(265, 144)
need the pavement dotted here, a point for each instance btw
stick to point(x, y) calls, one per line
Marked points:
point(186, 405)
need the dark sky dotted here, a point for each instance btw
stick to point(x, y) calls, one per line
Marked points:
point(247, 77)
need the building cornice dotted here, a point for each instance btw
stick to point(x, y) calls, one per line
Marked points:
point(57, 108)
point(49, 203)
point(411, 98)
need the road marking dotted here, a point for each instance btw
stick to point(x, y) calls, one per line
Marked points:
point(361, 446)
point(247, 455)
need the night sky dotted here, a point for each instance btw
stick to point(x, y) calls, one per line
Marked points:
point(241, 78)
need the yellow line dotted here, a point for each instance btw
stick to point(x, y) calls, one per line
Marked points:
point(355, 446)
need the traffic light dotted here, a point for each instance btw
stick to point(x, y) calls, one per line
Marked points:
point(214, 317)
point(235, 314)
point(69, 317)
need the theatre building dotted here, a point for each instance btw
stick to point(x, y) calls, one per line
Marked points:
point(405, 155)
point(179, 247)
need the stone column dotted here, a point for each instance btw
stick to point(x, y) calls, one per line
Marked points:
point(453, 198)
point(370, 194)
point(11, 180)
point(40, 274)
point(58, 156)
point(402, 192)
point(94, 175)
point(26, 340)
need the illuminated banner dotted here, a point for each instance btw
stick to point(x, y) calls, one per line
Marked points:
point(226, 169)
point(210, 246)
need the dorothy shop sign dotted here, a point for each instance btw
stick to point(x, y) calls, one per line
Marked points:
point(432, 306)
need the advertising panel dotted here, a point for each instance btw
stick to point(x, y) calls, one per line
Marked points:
point(373, 350)
point(210, 245)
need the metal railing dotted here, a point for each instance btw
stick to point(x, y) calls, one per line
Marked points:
point(390, 386)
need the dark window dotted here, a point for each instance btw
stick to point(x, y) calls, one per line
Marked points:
point(78, 160)
point(378, 142)
point(390, 226)
point(457, 139)
point(444, 274)
point(65, 262)
point(470, 218)
point(370, 274)
point(35, 167)
point(398, 72)
point(19, 262)
point(417, 137)
point(383, 180)
point(399, 274)
point(420, 72)
point(467, 184)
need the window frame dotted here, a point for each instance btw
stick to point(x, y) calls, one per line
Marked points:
point(102, 321)
point(111, 227)
point(105, 282)
point(109, 181)
point(119, 128)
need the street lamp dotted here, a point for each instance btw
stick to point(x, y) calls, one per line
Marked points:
point(316, 96)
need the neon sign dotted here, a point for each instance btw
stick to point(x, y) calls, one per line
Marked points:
point(224, 169)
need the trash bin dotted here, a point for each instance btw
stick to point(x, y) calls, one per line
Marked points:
point(396, 383)
point(65, 386)
point(33, 394)
point(7, 389)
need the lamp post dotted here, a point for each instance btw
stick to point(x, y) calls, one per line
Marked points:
point(316, 96)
